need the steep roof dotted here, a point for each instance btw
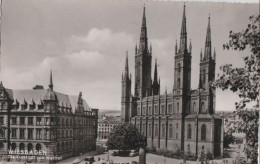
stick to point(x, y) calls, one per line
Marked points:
point(37, 95)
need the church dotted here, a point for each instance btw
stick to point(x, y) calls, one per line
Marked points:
point(183, 119)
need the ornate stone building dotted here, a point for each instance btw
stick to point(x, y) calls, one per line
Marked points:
point(105, 126)
point(183, 119)
point(46, 120)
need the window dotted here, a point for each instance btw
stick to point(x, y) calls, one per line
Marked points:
point(38, 121)
point(156, 109)
point(179, 83)
point(178, 107)
point(21, 146)
point(38, 147)
point(13, 146)
point(150, 130)
point(138, 111)
point(203, 109)
point(144, 130)
point(203, 132)
point(170, 131)
point(144, 111)
point(22, 121)
point(176, 135)
point(52, 135)
point(30, 147)
point(169, 108)
point(52, 121)
point(150, 110)
point(22, 133)
point(194, 107)
point(163, 130)
point(14, 133)
point(1, 120)
point(177, 126)
point(30, 120)
point(14, 120)
point(189, 132)
point(156, 130)
point(38, 134)
point(30, 133)
point(47, 121)
point(162, 110)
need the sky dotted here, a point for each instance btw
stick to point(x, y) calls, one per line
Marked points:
point(84, 42)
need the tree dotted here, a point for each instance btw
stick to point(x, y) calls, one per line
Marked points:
point(245, 81)
point(228, 139)
point(126, 137)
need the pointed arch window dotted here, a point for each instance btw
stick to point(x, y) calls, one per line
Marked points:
point(203, 108)
point(189, 131)
point(203, 132)
point(156, 130)
point(163, 130)
point(150, 130)
point(178, 107)
point(194, 107)
point(144, 130)
point(170, 131)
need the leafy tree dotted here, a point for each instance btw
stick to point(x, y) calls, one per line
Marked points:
point(245, 81)
point(228, 139)
point(126, 137)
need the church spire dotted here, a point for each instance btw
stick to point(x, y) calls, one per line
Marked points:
point(51, 83)
point(126, 66)
point(207, 52)
point(143, 45)
point(183, 38)
point(155, 79)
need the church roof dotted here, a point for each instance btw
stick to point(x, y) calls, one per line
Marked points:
point(29, 95)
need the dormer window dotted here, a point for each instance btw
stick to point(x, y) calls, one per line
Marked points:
point(32, 105)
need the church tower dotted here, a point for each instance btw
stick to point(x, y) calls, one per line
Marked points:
point(182, 70)
point(207, 75)
point(182, 77)
point(143, 60)
point(126, 93)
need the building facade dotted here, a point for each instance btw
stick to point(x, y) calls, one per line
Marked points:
point(105, 126)
point(44, 120)
point(184, 119)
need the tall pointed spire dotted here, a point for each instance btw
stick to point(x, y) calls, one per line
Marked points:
point(183, 38)
point(143, 45)
point(207, 52)
point(51, 83)
point(155, 78)
point(176, 47)
point(126, 66)
point(201, 58)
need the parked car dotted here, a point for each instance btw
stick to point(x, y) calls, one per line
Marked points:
point(115, 152)
point(133, 153)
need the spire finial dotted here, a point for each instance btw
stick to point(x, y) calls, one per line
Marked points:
point(183, 38)
point(201, 55)
point(190, 46)
point(155, 78)
point(51, 83)
point(214, 53)
point(176, 47)
point(143, 45)
point(126, 66)
point(207, 52)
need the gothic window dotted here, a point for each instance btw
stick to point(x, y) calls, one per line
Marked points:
point(156, 109)
point(203, 132)
point(203, 109)
point(189, 132)
point(178, 107)
point(163, 110)
point(163, 130)
point(144, 111)
point(138, 111)
point(170, 131)
point(144, 129)
point(1, 120)
point(179, 69)
point(150, 110)
point(1, 133)
point(177, 126)
point(203, 78)
point(150, 130)
point(156, 130)
point(169, 108)
point(176, 135)
point(137, 126)
point(194, 107)
point(179, 83)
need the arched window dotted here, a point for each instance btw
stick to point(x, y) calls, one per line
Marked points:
point(13, 146)
point(179, 69)
point(150, 130)
point(163, 130)
point(170, 131)
point(203, 109)
point(144, 130)
point(156, 130)
point(30, 147)
point(162, 110)
point(189, 131)
point(21, 146)
point(38, 147)
point(194, 107)
point(178, 107)
point(203, 132)
point(179, 75)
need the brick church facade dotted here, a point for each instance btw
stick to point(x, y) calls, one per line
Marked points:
point(184, 119)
